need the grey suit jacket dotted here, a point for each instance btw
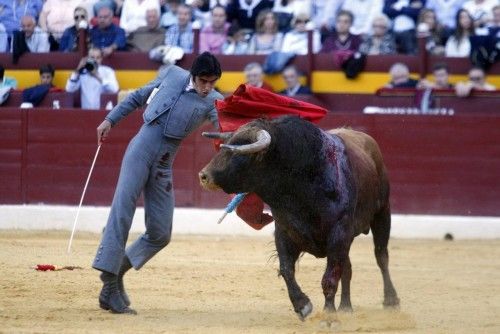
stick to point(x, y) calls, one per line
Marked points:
point(183, 111)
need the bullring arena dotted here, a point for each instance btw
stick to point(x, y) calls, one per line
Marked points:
point(223, 278)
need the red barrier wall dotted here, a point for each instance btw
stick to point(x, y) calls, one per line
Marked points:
point(437, 164)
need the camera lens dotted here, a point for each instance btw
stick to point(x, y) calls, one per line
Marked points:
point(89, 66)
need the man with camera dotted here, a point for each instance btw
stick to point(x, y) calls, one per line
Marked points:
point(93, 79)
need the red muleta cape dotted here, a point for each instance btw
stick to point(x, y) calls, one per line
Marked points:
point(246, 104)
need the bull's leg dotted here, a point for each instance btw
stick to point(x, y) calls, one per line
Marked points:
point(288, 253)
point(337, 259)
point(345, 279)
point(381, 228)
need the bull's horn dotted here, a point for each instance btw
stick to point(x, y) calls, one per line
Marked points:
point(263, 141)
point(217, 135)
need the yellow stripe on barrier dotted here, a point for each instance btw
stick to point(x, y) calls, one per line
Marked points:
point(322, 81)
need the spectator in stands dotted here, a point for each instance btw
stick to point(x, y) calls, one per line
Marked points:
point(296, 40)
point(244, 12)
point(380, 41)
point(35, 94)
point(214, 35)
point(446, 11)
point(293, 86)
point(481, 11)
point(114, 5)
point(341, 39)
point(202, 9)
point(477, 81)
point(181, 33)
point(495, 23)
point(148, 37)
point(31, 38)
point(254, 76)
point(12, 12)
point(404, 15)
point(400, 77)
point(363, 11)
point(56, 16)
point(6, 81)
point(106, 35)
point(4, 39)
point(69, 40)
point(287, 10)
point(493, 43)
point(169, 12)
point(236, 42)
point(324, 13)
point(133, 13)
point(436, 36)
point(266, 38)
point(441, 78)
point(93, 79)
point(459, 45)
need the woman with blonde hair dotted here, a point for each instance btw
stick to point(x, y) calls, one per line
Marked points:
point(266, 38)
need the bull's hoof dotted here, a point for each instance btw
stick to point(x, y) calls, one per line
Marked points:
point(391, 303)
point(305, 311)
point(345, 308)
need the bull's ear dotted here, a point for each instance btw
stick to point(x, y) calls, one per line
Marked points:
point(217, 135)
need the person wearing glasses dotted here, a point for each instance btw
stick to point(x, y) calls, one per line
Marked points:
point(477, 81)
point(295, 40)
point(56, 16)
point(69, 40)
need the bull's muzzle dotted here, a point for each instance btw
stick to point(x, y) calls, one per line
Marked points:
point(206, 181)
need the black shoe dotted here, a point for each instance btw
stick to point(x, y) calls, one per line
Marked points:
point(126, 265)
point(110, 297)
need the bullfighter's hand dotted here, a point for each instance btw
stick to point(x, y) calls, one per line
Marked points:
point(102, 131)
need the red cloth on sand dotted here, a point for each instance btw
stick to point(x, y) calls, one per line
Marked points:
point(246, 104)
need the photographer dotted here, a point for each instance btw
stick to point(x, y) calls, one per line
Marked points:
point(92, 79)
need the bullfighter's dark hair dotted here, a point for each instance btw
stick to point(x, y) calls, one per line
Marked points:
point(206, 64)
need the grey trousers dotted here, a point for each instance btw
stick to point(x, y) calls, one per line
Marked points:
point(147, 167)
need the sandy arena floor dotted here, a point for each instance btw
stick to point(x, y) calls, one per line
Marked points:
point(202, 284)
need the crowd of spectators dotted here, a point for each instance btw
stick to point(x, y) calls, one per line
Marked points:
point(453, 27)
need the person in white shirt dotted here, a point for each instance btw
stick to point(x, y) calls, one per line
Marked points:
point(324, 13)
point(364, 12)
point(4, 45)
point(481, 11)
point(296, 40)
point(133, 13)
point(93, 79)
point(36, 39)
point(459, 45)
point(446, 11)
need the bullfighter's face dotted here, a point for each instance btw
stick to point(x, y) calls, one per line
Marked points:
point(204, 84)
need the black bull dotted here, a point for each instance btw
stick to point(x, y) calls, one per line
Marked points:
point(323, 188)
